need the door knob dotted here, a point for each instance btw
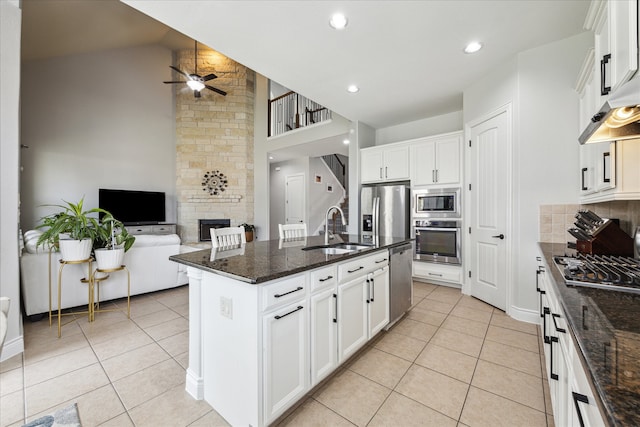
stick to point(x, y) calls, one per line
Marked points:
point(499, 236)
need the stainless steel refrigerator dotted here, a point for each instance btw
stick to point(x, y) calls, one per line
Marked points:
point(386, 210)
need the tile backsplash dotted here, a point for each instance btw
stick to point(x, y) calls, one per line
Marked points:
point(555, 220)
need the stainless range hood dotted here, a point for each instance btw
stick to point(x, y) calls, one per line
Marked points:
point(619, 117)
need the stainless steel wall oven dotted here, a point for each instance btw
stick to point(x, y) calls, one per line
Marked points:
point(438, 241)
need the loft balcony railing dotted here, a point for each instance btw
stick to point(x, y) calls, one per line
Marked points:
point(293, 111)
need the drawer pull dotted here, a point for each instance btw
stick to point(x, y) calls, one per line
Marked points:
point(554, 316)
point(577, 397)
point(326, 278)
point(278, 317)
point(290, 292)
point(382, 260)
point(435, 274)
point(353, 271)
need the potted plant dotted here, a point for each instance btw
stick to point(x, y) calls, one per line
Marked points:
point(112, 241)
point(249, 231)
point(71, 230)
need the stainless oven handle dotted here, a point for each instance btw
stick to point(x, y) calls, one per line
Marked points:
point(453, 230)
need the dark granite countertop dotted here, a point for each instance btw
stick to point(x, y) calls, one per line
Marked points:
point(261, 261)
point(606, 326)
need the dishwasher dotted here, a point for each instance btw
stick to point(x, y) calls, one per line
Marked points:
point(400, 281)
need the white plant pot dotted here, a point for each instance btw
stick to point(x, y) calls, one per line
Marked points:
point(75, 250)
point(108, 259)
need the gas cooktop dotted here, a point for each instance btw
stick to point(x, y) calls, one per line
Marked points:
point(600, 271)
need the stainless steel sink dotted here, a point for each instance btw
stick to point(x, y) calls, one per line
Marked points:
point(337, 248)
point(336, 251)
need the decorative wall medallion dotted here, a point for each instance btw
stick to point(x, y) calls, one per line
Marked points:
point(214, 182)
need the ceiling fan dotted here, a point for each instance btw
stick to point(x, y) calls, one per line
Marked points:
point(195, 81)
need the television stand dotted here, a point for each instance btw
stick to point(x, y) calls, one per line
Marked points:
point(158, 229)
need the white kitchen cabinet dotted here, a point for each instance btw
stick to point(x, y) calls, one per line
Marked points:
point(286, 355)
point(436, 160)
point(324, 326)
point(352, 317)
point(616, 175)
point(615, 27)
point(384, 163)
point(378, 300)
point(439, 273)
point(567, 379)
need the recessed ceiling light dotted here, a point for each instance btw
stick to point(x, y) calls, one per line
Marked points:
point(270, 157)
point(345, 142)
point(473, 47)
point(353, 89)
point(338, 21)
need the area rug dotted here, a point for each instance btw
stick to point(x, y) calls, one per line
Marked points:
point(65, 417)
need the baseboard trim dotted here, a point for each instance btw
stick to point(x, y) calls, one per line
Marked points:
point(525, 315)
point(195, 385)
point(12, 348)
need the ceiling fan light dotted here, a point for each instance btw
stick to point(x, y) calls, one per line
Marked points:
point(195, 85)
point(473, 47)
point(338, 21)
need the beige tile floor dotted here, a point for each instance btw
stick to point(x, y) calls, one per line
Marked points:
point(452, 361)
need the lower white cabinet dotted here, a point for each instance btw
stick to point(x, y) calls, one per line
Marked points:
point(286, 357)
point(352, 317)
point(378, 300)
point(572, 398)
point(438, 272)
point(324, 334)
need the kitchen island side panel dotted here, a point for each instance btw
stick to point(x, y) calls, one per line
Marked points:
point(231, 349)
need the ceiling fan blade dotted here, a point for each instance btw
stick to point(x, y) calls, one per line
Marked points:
point(179, 71)
point(209, 77)
point(221, 92)
point(175, 82)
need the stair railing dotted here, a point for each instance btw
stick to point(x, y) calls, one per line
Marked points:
point(292, 111)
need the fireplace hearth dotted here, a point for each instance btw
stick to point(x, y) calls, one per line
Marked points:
point(204, 225)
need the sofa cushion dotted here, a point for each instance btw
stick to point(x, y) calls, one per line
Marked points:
point(156, 240)
point(31, 242)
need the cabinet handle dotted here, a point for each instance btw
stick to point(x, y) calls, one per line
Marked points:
point(577, 397)
point(386, 172)
point(604, 90)
point(545, 311)
point(435, 274)
point(537, 280)
point(437, 175)
point(541, 309)
point(538, 258)
point(368, 291)
point(433, 175)
point(605, 177)
point(382, 260)
point(584, 187)
point(335, 316)
point(278, 317)
point(326, 278)
point(353, 271)
point(380, 173)
point(373, 289)
point(299, 288)
point(553, 376)
point(554, 316)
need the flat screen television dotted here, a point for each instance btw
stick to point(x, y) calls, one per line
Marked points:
point(133, 207)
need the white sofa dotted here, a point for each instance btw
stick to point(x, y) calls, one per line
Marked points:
point(147, 261)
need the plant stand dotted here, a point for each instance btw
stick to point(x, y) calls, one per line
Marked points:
point(96, 281)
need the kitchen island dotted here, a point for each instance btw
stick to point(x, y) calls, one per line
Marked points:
point(269, 320)
point(604, 328)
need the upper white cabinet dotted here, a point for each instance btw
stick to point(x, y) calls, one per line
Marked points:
point(615, 27)
point(384, 163)
point(436, 160)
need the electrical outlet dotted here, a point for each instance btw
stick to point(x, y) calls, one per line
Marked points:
point(226, 307)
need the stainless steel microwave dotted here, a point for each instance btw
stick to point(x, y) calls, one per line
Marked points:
point(437, 203)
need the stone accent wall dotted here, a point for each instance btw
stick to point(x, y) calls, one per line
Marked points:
point(556, 219)
point(214, 133)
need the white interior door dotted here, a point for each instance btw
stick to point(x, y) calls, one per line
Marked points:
point(490, 206)
point(295, 199)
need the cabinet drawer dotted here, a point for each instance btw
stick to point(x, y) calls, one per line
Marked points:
point(140, 229)
point(438, 272)
point(362, 265)
point(323, 278)
point(284, 291)
point(164, 229)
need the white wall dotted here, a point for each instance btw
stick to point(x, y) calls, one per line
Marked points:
point(419, 128)
point(97, 120)
point(318, 199)
point(539, 84)
point(10, 29)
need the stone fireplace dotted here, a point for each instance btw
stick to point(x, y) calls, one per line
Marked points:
point(205, 225)
point(214, 138)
